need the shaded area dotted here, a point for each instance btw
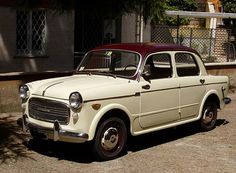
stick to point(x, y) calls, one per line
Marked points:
point(82, 153)
point(62, 151)
point(11, 138)
point(157, 138)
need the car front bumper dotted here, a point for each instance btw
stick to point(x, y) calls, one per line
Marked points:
point(56, 133)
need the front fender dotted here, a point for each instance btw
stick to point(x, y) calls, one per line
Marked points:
point(101, 113)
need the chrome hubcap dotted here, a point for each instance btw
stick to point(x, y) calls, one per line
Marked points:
point(208, 116)
point(110, 138)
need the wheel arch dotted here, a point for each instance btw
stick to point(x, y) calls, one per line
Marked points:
point(113, 110)
point(210, 96)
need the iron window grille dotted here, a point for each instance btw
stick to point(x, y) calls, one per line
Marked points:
point(30, 33)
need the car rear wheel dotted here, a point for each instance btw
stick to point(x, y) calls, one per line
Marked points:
point(209, 116)
point(110, 139)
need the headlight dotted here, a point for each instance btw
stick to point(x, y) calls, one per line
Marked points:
point(24, 92)
point(75, 100)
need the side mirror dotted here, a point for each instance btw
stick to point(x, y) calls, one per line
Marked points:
point(147, 70)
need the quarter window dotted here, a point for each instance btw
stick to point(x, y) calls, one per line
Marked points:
point(30, 33)
point(186, 65)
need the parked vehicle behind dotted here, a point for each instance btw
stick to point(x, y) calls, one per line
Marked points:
point(123, 89)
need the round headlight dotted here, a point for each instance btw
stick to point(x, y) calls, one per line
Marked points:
point(75, 100)
point(24, 92)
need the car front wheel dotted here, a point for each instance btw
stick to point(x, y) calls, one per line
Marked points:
point(110, 139)
point(209, 116)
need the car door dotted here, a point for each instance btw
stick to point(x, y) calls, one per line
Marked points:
point(159, 93)
point(191, 83)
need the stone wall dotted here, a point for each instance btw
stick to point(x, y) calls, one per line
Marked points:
point(9, 85)
point(225, 70)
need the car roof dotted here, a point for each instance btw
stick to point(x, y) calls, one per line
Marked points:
point(145, 48)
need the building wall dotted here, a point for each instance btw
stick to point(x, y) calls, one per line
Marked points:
point(129, 29)
point(7, 38)
point(59, 51)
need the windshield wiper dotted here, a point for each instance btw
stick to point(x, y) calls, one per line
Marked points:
point(84, 72)
point(96, 72)
point(106, 73)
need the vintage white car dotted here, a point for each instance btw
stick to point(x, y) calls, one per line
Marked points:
point(123, 89)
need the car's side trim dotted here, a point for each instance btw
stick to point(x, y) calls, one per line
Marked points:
point(182, 87)
point(160, 90)
point(118, 97)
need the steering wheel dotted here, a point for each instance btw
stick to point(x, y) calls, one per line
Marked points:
point(130, 65)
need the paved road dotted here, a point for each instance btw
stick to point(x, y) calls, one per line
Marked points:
point(181, 149)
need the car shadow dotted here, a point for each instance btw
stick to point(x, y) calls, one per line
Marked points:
point(62, 151)
point(11, 139)
point(81, 152)
point(167, 135)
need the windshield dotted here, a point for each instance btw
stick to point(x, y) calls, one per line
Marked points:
point(112, 62)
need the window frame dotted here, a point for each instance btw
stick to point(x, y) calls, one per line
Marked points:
point(170, 61)
point(194, 60)
point(29, 51)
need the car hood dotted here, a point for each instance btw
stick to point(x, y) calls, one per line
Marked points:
point(89, 86)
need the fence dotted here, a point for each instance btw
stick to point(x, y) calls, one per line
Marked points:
point(212, 44)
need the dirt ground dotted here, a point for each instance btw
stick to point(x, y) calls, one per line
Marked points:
point(181, 149)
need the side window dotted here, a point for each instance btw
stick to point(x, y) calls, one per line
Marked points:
point(186, 65)
point(160, 65)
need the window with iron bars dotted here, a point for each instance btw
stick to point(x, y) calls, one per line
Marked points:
point(30, 33)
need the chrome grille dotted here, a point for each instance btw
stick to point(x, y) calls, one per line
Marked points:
point(48, 110)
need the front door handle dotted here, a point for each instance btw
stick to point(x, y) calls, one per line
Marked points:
point(146, 87)
point(202, 81)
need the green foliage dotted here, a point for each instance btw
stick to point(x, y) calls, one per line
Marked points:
point(182, 5)
point(229, 6)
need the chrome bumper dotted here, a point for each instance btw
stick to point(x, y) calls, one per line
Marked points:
point(56, 133)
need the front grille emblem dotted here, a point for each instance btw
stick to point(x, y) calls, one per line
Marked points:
point(43, 109)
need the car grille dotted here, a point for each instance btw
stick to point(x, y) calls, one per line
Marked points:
point(48, 110)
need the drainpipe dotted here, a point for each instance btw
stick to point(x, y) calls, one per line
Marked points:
point(139, 26)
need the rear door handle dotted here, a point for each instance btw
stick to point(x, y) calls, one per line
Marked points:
point(146, 87)
point(202, 81)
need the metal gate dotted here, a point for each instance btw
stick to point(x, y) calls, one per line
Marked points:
point(212, 44)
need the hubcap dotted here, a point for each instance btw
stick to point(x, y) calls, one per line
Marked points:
point(208, 116)
point(110, 139)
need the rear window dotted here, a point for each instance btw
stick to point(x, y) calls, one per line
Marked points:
point(186, 65)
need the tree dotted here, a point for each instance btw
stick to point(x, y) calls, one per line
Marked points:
point(182, 5)
point(149, 9)
point(229, 6)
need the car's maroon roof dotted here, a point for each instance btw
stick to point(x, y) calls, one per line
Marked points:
point(145, 48)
